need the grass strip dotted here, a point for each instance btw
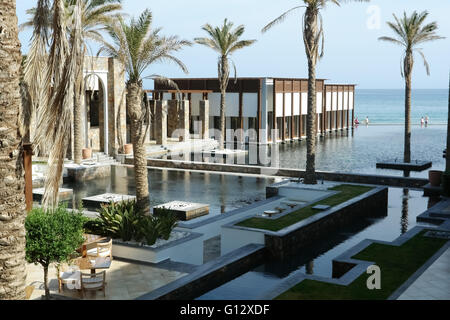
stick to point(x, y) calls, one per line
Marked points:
point(397, 264)
point(346, 192)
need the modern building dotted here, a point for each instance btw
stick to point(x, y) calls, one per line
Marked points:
point(270, 106)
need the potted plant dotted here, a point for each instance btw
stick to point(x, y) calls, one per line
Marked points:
point(435, 176)
point(86, 153)
point(128, 148)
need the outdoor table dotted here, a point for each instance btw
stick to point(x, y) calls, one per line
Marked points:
point(86, 263)
point(271, 212)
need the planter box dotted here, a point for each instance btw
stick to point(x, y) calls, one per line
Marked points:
point(188, 249)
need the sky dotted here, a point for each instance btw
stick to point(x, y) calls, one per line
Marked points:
point(353, 53)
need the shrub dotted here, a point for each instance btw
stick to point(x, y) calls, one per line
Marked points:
point(166, 222)
point(119, 220)
point(148, 229)
point(123, 221)
point(52, 236)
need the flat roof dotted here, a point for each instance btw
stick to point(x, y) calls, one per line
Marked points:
point(247, 78)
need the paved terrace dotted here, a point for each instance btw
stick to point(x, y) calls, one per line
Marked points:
point(125, 280)
point(434, 282)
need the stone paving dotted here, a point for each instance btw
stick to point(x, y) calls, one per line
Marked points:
point(125, 280)
point(433, 284)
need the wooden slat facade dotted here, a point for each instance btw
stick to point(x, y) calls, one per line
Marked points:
point(326, 121)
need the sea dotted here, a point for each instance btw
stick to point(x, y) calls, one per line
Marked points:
point(388, 106)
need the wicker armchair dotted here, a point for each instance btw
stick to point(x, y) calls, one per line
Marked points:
point(93, 282)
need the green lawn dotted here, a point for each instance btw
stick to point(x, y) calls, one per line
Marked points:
point(346, 192)
point(397, 264)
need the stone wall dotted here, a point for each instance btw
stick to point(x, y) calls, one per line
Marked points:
point(282, 244)
point(82, 174)
point(211, 275)
point(115, 86)
point(393, 181)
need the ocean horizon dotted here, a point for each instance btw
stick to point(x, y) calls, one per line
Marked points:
point(386, 106)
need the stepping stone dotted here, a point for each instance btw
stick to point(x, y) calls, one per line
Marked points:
point(184, 210)
point(321, 207)
point(106, 198)
point(64, 193)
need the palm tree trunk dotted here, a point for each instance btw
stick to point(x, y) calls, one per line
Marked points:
point(12, 185)
point(222, 120)
point(311, 52)
point(134, 106)
point(407, 150)
point(78, 112)
point(223, 79)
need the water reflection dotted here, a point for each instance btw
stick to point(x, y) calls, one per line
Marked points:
point(403, 205)
point(310, 267)
point(354, 151)
point(222, 192)
point(404, 220)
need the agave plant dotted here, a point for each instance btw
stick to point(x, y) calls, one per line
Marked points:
point(120, 220)
point(147, 229)
point(166, 222)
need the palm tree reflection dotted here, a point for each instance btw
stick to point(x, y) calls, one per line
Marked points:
point(404, 220)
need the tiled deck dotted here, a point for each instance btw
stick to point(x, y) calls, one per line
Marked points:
point(433, 284)
point(124, 281)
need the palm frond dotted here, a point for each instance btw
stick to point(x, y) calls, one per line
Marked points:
point(411, 32)
point(280, 19)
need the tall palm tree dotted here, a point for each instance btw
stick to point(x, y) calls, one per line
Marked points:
point(225, 41)
point(138, 46)
point(94, 14)
point(411, 31)
point(56, 111)
point(12, 184)
point(313, 38)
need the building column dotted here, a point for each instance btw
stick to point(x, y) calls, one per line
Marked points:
point(204, 119)
point(161, 122)
point(172, 117)
point(183, 119)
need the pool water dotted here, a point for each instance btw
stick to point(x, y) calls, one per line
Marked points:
point(355, 151)
point(222, 192)
point(403, 207)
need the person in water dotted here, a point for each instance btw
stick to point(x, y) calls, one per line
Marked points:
point(426, 121)
point(422, 121)
point(356, 121)
point(367, 121)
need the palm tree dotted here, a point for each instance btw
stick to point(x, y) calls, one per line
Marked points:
point(94, 15)
point(138, 46)
point(313, 37)
point(56, 111)
point(409, 33)
point(225, 41)
point(12, 184)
